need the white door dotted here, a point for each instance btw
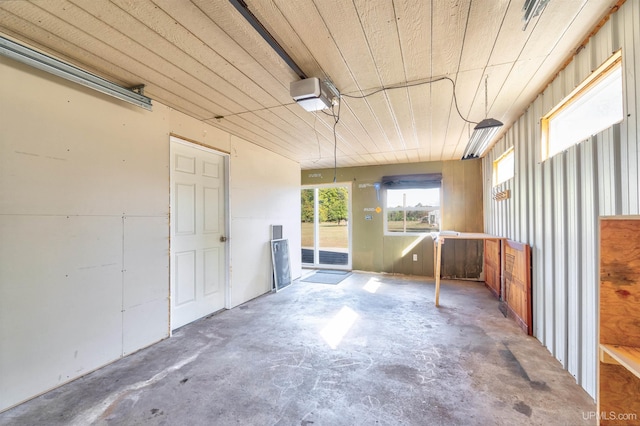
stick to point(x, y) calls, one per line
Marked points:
point(198, 252)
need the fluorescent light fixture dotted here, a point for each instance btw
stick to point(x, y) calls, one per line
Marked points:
point(58, 68)
point(482, 135)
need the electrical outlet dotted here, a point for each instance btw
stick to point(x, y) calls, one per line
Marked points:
point(415, 257)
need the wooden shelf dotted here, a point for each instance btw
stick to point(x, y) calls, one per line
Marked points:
point(619, 333)
point(627, 356)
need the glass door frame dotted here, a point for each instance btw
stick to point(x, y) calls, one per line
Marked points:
point(316, 227)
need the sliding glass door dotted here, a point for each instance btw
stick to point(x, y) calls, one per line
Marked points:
point(326, 230)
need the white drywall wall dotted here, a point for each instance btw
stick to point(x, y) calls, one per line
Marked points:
point(264, 191)
point(84, 226)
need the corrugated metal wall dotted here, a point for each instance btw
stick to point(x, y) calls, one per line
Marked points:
point(555, 204)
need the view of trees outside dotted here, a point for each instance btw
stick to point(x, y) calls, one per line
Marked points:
point(332, 204)
point(413, 210)
point(333, 213)
point(307, 205)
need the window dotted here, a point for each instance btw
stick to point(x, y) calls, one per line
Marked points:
point(412, 210)
point(411, 203)
point(503, 167)
point(596, 104)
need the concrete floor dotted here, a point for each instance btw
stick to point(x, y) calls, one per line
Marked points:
point(401, 362)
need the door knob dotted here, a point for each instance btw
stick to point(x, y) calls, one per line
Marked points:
point(223, 238)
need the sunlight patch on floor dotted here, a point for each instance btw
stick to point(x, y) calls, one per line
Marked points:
point(334, 332)
point(372, 285)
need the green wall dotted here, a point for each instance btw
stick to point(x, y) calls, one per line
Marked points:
point(461, 211)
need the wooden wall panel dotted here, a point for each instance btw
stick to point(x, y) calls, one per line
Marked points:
point(620, 282)
point(517, 283)
point(492, 266)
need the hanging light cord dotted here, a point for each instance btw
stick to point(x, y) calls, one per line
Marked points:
point(413, 84)
point(336, 115)
point(381, 89)
point(486, 97)
point(336, 118)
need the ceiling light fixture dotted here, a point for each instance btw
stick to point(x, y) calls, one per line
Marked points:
point(482, 134)
point(61, 69)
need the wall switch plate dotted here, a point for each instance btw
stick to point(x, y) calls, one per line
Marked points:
point(415, 257)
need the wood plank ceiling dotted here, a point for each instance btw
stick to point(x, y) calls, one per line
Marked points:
point(201, 57)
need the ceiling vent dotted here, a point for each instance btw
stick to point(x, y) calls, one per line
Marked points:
point(313, 94)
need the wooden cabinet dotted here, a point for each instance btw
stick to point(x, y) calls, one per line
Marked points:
point(619, 329)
